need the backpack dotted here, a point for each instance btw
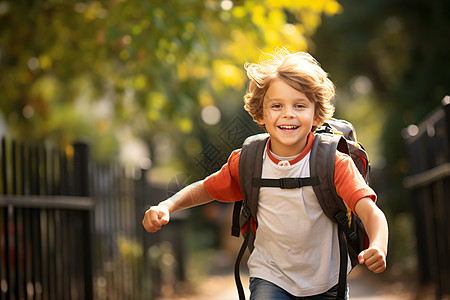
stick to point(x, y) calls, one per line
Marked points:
point(334, 135)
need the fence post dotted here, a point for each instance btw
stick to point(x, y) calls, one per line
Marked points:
point(428, 146)
point(446, 105)
point(81, 188)
point(81, 169)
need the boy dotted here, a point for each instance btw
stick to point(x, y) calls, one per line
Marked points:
point(296, 252)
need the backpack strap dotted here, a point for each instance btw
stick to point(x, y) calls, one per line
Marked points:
point(343, 261)
point(322, 165)
point(285, 183)
point(250, 165)
point(235, 226)
point(237, 276)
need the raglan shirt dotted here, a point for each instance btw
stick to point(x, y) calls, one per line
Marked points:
point(296, 244)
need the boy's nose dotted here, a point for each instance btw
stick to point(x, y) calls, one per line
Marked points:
point(288, 112)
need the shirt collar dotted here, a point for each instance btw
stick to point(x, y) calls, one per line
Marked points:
point(310, 140)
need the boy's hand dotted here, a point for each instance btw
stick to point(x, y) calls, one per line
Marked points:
point(155, 217)
point(374, 258)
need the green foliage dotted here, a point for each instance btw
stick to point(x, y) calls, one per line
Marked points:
point(399, 49)
point(94, 69)
point(389, 60)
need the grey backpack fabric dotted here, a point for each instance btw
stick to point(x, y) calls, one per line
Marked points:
point(335, 135)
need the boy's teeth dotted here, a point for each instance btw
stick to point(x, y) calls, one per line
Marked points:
point(288, 127)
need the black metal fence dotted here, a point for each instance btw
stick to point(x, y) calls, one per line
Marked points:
point(71, 229)
point(45, 224)
point(428, 146)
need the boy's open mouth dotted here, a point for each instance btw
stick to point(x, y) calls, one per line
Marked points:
point(288, 127)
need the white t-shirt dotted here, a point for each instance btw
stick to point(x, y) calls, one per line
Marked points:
point(296, 245)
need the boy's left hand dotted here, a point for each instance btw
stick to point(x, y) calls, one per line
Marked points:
point(374, 258)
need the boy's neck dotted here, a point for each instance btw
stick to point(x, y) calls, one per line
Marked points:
point(276, 158)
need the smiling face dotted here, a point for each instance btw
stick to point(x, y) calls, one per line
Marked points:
point(288, 116)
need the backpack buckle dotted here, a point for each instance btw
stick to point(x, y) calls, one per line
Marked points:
point(246, 211)
point(235, 231)
point(342, 219)
point(352, 237)
point(289, 183)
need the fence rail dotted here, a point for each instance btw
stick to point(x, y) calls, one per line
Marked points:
point(45, 224)
point(70, 228)
point(428, 146)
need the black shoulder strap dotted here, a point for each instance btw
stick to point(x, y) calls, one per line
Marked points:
point(322, 165)
point(235, 226)
point(237, 264)
point(322, 162)
point(250, 165)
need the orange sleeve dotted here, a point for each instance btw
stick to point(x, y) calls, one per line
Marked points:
point(224, 184)
point(350, 184)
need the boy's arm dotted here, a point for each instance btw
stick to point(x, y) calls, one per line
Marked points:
point(192, 195)
point(376, 227)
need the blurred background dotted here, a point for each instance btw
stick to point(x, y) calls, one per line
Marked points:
point(140, 98)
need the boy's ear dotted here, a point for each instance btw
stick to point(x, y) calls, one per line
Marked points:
point(260, 121)
point(317, 121)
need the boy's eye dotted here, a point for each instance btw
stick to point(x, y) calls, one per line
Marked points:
point(299, 106)
point(276, 106)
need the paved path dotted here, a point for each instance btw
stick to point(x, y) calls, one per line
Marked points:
point(363, 286)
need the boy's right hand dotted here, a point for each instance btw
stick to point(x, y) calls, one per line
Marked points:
point(155, 217)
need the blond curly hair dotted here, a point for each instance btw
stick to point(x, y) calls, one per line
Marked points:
point(299, 70)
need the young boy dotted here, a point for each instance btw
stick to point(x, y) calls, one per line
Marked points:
point(296, 248)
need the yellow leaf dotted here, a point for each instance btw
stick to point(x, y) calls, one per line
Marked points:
point(238, 12)
point(229, 74)
point(258, 15)
point(205, 99)
point(45, 62)
point(332, 8)
point(140, 82)
point(185, 125)
point(156, 100)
